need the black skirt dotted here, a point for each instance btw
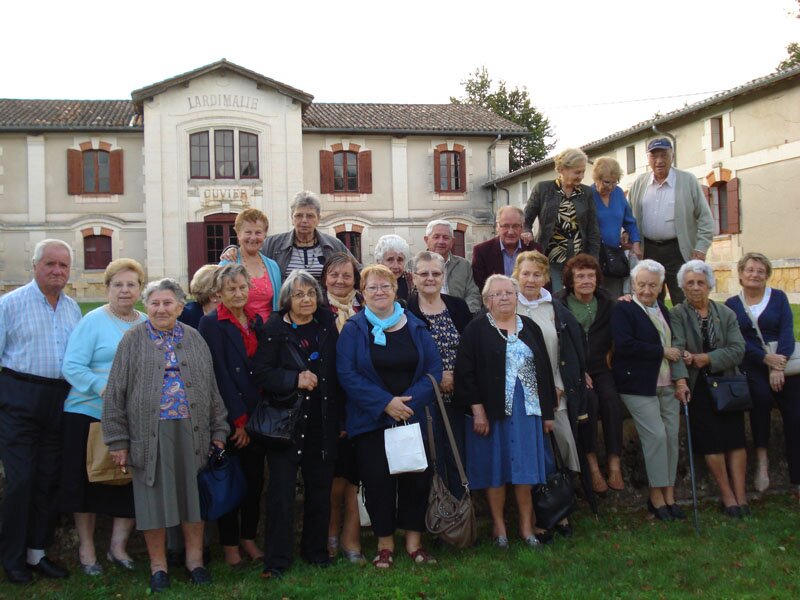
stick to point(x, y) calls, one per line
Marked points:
point(713, 432)
point(77, 494)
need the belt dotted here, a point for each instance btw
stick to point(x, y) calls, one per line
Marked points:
point(660, 242)
point(34, 378)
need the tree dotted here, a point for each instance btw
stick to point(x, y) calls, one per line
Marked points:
point(793, 49)
point(514, 105)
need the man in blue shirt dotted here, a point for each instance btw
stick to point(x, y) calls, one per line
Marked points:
point(35, 323)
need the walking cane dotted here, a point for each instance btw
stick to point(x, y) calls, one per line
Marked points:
point(691, 469)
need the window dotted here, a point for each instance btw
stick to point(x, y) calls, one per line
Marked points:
point(717, 140)
point(96, 251)
point(92, 171)
point(524, 192)
point(345, 170)
point(198, 145)
point(248, 155)
point(723, 199)
point(449, 169)
point(352, 240)
point(630, 153)
point(206, 240)
point(222, 154)
point(459, 247)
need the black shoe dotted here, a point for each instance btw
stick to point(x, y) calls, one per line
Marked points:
point(746, 512)
point(565, 530)
point(19, 576)
point(734, 511)
point(159, 582)
point(47, 568)
point(662, 513)
point(545, 538)
point(199, 576)
point(176, 558)
point(676, 512)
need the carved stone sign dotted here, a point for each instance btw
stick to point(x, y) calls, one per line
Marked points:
point(228, 195)
point(223, 101)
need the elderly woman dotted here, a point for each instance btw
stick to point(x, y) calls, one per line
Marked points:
point(90, 352)
point(566, 213)
point(613, 215)
point(708, 336)
point(446, 317)
point(230, 332)
point(205, 300)
point(384, 357)
point(161, 413)
point(764, 316)
point(303, 329)
point(511, 395)
point(584, 297)
point(643, 351)
point(393, 252)
point(340, 282)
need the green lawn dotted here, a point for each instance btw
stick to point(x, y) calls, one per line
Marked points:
point(621, 555)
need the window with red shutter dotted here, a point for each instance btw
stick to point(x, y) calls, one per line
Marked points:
point(96, 251)
point(450, 169)
point(95, 172)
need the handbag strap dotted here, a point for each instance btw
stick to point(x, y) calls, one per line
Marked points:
point(449, 430)
point(754, 321)
point(556, 453)
point(296, 355)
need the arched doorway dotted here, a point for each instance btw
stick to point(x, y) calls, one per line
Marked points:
point(205, 241)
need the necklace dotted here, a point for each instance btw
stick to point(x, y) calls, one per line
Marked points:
point(511, 337)
point(131, 319)
point(309, 244)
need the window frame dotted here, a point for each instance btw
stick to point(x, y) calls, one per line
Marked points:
point(97, 259)
point(79, 159)
point(345, 176)
point(202, 160)
point(237, 137)
point(456, 170)
point(717, 133)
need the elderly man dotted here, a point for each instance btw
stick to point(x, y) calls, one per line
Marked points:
point(672, 214)
point(497, 255)
point(35, 322)
point(458, 280)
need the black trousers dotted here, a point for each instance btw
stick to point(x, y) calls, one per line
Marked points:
point(393, 501)
point(242, 523)
point(668, 253)
point(604, 402)
point(317, 480)
point(30, 448)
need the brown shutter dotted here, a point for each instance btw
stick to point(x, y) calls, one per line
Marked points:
point(706, 193)
point(325, 172)
point(74, 172)
point(196, 246)
point(365, 172)
point(733, 206)
point(437, 187)
point(116, 182)
point(463, 179)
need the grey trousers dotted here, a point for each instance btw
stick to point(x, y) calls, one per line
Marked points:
point(657, 422)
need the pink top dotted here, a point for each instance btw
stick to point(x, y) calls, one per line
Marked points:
point(259, 300)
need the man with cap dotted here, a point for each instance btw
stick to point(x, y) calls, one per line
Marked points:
point(458, 280)
point(672, 214)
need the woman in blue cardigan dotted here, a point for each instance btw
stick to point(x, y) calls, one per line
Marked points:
point(765, 316)
point(384, 355)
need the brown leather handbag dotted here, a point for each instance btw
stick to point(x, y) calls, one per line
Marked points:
point(448, 518)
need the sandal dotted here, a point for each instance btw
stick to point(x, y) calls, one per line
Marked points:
point(599, 485)
point(420, 557)
point(333, 546)
point(384, 559)
point(354, 557)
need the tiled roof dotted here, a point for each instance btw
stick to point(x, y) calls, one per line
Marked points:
point(464, 119)
point(29, 115)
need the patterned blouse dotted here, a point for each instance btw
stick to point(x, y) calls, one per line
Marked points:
point(520, 365)
point(446, 337)
point(566, 241)
point(174, 403)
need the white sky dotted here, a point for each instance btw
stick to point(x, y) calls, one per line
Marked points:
point(586, 64)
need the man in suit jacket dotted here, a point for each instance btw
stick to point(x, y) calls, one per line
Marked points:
point(497, 255)
point(458, 280)
point(672, 214)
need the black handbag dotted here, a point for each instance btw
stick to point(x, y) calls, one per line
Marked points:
point(729, 393)
point(554, 500)
point(221, 485)
point(613, 261)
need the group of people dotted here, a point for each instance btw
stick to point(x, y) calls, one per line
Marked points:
point(529, 343)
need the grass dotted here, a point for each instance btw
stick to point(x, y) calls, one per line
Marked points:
point(621, 555)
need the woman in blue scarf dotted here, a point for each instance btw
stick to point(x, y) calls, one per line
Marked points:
point(384, 355)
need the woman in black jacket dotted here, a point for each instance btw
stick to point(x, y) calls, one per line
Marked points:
point(306, 330)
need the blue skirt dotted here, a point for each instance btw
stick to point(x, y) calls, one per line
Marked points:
point(513, 452)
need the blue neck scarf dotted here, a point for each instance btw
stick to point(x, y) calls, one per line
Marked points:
point(381, 325)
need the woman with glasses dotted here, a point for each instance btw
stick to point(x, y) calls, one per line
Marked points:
point(303, 329)
point(613, 215)
point(384, 356)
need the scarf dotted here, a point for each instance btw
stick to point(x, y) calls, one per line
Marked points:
point(344, 308)
point(664, 333)
point(544, 296)
point(381, 325)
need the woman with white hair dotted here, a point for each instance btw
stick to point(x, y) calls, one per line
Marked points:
point(643, 351)
point(393, 252)
point(707, 333)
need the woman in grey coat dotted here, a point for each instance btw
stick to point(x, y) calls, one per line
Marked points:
point(162, 411)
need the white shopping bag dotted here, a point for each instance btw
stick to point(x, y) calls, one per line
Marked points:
point(363, 515)
point(405, 450)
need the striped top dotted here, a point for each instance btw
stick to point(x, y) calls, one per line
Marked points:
point(33, 336)
point(311, 259)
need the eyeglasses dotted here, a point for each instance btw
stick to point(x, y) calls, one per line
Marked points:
point(373, 289)
point(506, 226)
point(609, 183)
point(426, 274)
point(503, 294)
point(309, 294)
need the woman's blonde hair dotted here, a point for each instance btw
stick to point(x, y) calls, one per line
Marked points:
point(571, 157)
point(251, 215)
point(606, 168)
point(536, 258)
point(380, 272)
point(120, 265)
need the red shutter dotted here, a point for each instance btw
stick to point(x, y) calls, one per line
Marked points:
point(116, 182)
point(437, 183)
point(196, 246)
point(733, 206)
point(325, 172)
point(74, 172)
point(365, 172)
point(463, 179)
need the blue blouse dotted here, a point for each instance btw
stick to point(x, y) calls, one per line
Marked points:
point(615, 217)
point(520, 366)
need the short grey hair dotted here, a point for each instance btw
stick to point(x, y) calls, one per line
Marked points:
point(697, 266)
point(391, 243)
point(165, 285)
point(428, 256)
point(492, 279)
point(302, 277)
point(648, 264)
point(306, 198)
point(435, 222)
point(39, 249)
point(510, 207)
point(229, 272)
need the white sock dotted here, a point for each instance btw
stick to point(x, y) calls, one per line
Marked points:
point(34, 556)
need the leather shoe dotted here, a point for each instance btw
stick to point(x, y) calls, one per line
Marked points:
point(676, 512)
point(47, 568)
point(19, 576)
point(199, 576)
point(733, 511)
point(565, 530)
point(662, 513)
point(159, 581)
